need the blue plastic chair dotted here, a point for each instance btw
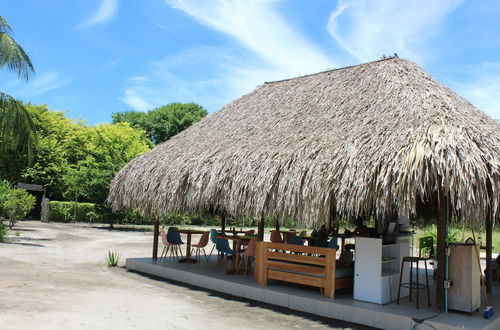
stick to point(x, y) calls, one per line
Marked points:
point(297, 240)
point(173, 236)
point(223, 248)
point(333, 244)
point(213, 239)
point(213, 235)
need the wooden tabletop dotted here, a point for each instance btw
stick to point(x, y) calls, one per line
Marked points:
point(238, 231)
point(241, 237)
point(190, 231)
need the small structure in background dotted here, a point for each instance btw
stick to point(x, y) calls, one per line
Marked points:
point(44, 216)
point(37, 190)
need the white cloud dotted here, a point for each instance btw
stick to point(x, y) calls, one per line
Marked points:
point(483, 88)
point(258, 26)
point(139, 78)
point(106, 11)
point(183, 77)
point(214, 76)
point(110, 65)
point(133, 97)
point(42, 83)
point(370, 29)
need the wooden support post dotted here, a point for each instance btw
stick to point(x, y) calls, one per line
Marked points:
point(155, 238)
point(261, 229)
point(330, 273)
point(260, 266)
point(223, 221)
point(489, 245)
point(441, 237)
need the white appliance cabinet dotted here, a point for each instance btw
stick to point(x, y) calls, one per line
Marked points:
point(377, 267)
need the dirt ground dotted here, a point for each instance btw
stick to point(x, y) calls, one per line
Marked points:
point(54, 276)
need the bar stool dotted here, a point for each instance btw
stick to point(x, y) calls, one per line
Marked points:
point(426, 245)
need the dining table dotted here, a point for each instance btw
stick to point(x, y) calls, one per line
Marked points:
point(232, 231)
point(189, 233)
point(239, 240)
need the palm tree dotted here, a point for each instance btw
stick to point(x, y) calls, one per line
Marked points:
point(17, 130)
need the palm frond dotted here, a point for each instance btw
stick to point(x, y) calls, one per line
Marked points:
point(14, 57)
point(17, 130)
point(4, 26)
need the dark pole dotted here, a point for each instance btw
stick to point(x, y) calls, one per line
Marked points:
point(261, 229)
point(223, 221)
point(489, 271)
point(441, 237)
point(155, 238)
point(76, 206)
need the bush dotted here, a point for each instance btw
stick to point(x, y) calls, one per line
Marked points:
point(187, 219)
point(132, 217)
point(453, 234)
point(4, 230)
point(15, 203)
point(65, 212)
point(5, 187)
point(61, 211)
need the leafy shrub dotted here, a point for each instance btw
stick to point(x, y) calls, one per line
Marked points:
point(61, 211)
point(5, 187)
point(453, 235)
point(4, 230)
point(16, 204)
point(65, 212)
point(132, 217)
point(187, 219)
point(112, 258)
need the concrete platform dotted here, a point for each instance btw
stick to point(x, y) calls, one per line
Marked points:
point(309, 300)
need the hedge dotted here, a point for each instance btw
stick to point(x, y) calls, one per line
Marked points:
point(90, 212)
point(65, 211)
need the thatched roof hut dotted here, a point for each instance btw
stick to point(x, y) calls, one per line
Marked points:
point(378, 138)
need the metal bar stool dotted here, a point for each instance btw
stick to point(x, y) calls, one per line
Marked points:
point(426, 245)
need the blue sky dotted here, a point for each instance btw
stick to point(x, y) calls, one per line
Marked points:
point(96, 57)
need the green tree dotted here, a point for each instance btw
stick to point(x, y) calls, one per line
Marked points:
point(62, 144)
point(164, 122)
point(136, 119)
point(17, 131)
point(111, 147)
point(76, 160)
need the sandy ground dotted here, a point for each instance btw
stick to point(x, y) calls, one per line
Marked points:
point(54, 276)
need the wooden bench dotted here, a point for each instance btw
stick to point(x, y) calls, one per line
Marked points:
point(307, 265)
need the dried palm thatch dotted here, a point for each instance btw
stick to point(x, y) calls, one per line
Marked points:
point(375, 138)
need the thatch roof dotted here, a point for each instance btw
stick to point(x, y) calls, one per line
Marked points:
point(369, 139)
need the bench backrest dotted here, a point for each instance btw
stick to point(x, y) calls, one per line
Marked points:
point(317, 261)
